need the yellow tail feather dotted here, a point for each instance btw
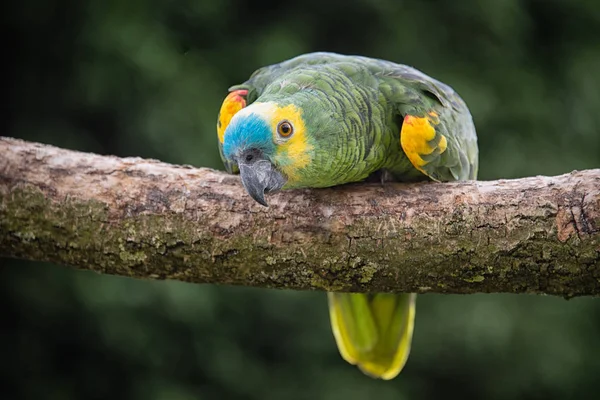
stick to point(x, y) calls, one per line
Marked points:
point(373, 332)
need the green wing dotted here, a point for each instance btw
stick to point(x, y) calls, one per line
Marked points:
point(437, 131)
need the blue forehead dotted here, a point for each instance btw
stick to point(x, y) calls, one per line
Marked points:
point(245, 132)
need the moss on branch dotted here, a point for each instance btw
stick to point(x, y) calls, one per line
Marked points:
point(147, 219)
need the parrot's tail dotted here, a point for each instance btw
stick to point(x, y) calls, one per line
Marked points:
point(373, 331)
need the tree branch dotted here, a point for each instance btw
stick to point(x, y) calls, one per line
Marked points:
point(147, 219)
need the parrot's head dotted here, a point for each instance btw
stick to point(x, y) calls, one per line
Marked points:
point(273, 147)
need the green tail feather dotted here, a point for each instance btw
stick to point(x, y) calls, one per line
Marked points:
point(373, 331)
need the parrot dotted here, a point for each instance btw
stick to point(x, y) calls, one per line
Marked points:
point(324, 119)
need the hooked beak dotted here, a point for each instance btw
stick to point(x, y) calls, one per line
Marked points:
point(259, 176)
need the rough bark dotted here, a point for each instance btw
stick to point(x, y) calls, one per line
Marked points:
point(147, 219)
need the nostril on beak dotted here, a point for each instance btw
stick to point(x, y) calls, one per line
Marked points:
point(250, 156)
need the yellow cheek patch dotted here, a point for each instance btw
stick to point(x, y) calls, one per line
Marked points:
point(419, 138)
point(233, 103)
point(293, 152)
point(296, 148)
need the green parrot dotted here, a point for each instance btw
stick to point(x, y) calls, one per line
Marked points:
point(325, 119)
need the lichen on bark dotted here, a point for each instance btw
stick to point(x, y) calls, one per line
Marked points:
point(146, 219)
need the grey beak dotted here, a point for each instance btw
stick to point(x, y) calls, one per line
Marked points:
point(259, 176)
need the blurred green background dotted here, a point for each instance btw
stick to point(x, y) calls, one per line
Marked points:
point(146, 78)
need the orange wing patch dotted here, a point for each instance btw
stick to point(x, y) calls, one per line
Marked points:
point(233, 103)
point(420, 141)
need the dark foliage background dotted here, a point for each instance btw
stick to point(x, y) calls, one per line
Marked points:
point(146, 78)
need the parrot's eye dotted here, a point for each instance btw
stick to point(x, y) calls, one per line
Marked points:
point(285, 129)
